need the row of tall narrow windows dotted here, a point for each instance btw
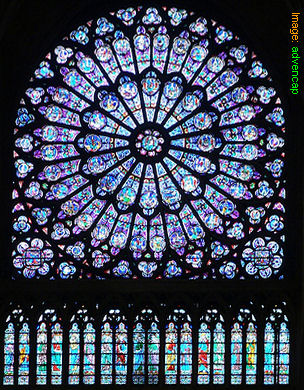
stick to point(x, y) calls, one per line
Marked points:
point(106, 353)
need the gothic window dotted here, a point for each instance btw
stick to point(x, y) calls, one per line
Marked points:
point(82, 349)
point(49, 349)
point(178, 348)
point(211, 348)
point(276, 348)
point(244, 348)
point(146, 344)
point(16, 349)
point(148, 186)
point(114, 348)
point(149, 144)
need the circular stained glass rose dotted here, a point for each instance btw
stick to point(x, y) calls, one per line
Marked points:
point(149, 138)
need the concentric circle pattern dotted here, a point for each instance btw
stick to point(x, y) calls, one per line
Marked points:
point(149, 143)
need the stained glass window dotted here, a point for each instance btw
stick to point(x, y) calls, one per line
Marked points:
point(49, 349)
point(178, 348)
point(284, 354)
point(41, 363)
point(24, 355)
point(16, 368)
point(158, 344)
point(269, 354)
point(121, 353)
point(146, 346)
point(74, 354)
point(236, 353)
point(251, 354)
point(114, 348)
point(9, 356)
point(106, 353)
point(204, 345)
point(56, 354)
point(244, 348)
point(211, 349)
point(139, 354)
point(219, 353)
point(149, 143)
point(276, 349)
point(82, 337)
point(89, 355)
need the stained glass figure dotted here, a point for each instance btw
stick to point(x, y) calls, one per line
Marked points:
point(185, 354)
point(211, 348)
point(251, 354)
point(89, 354)
point(42, 347)
point(153, 353)
point(74, 354)
point(276, 348)
point(121, 353)
point(106, 354)
point(146, 339)
point(139, 354)
point(146, 139)
point(219, 354)
point(24, 355)
point(114, 348)
point(269, 354)
point(9, 354)
point(178, 348)
point(171, 353)
point(283, 354)
point(236, 353)
point(56, 354)
point(204, 345)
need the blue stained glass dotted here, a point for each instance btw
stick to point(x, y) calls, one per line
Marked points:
point(106, 354)
point(24, 355)
point(89, 354)
point(204, 345)
point(171, 354)
point(145, 133)
point(185, 354)
point(74, 354)
point(236, 353)
point(121, 354)
point(153, 353)
point(251, 354)
point(9, 356)
point(139, 354)
point(218, 354)
point(283, 358)
point(41, 361)
point(269, 354)
point(56, 354)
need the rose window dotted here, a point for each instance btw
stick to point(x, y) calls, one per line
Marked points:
point(149, 143)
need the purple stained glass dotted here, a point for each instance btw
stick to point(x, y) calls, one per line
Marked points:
point(24, 355)
point(9, 354)
point(74, 354)
point(149, 135)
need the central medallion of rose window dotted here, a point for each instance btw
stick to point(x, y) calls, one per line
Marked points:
point(149, 143)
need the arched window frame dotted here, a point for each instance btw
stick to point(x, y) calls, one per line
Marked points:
point(243, 327)
point(212, 322)
point(280, 348)
point(178, 348)
point(49, 344)
point(120, 346)
point(85, 347)
point(149, 346)
point(17, 348)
